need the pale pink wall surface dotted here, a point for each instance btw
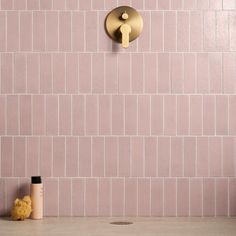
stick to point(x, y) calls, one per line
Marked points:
point(147, 131)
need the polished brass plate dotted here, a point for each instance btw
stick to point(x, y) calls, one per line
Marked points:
point(114, 21)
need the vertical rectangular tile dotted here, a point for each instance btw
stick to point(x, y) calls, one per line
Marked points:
point(157, 204)
point(51, 115)
point(34, 4)
point(52, 35)
point(170, 31)
point(12, 114)
point(177, 158)
point(6, 156)
point(85, 73)
point(176, 73)
point(137, 73)
point(232, 114)
point(144, 39)
point(26, 31)
point(202, 73)
point(111, 156)
point(150, 73)
point(209, 115)
point(78, 111)
point(98, 73)
point(196, 30)
point(143, 115)
point(59, 72)
point(189, 73)
point(2, 197)
point(182, 115)
point(59, 4)
point(170, 115)
point(65, 115)
point(12, 192)
point(59, 157)
point(91, 31)
point(196, 115)
point(7, 4)
point(189, 4)
point(117, 114)
point(228, 156)
point(97, 4)
point(232, 30)
point(124, 72)
point(25, 115)
point(221, 115)
point(131, 197)
point(85, 5)
point(150, 157)
point(38, 31)
point(183, 197)
point(156, 115)
point(104, 115)
point(209, 31)
point(84, 156)
point(170, 192)
point(163, 4)
point(91, 207)
point(222, 33)
point(131, 114)
point(65, 197)
point(78, 26)
point(32, 73)
point(189, 156)
point(12, 31)
point(196, 189)
point(78, 197)
point(91, 115)
point(117, 197)
point(208, 197)
point(144, 197)
point(157, 33)
point(72, 151)
point(3, 31)
point(19, 73)
point(163, 156)
point(46, 4)
point(3, 120)
point(104, 197)
point(98, 156)
point(72, 73)
point(124, 156)
point(222, 197)
point(232, 195)
point(202, 157)
point(45, 73)
point(65, 31)
point(6, 73)
point(164, 83)
point(183, 24)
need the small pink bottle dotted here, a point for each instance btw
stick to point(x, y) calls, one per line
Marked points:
point(36, 189)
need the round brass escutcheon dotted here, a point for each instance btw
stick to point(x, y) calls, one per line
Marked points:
point(123, 15)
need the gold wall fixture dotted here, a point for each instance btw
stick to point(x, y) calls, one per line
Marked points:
point(124, 24)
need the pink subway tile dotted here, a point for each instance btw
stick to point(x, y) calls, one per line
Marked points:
point(182, 115)
point(209, 31)
point(118, 197)
point(104, 115)
point(137, 4)
point(189, 73)
point(215, 72)
point(104, 197)
point(189, 4)
point(98, 73)
point(6, 73)
point(137, 82)
point(85, 5)
point(176, 73)
point(228, 156)
point(164, 83)
point(183, 23)
point(25, 31)
point(91, 194)
point(34, 4)
point(6, 4)
point(65, 31)
point(52, 37)
point(196, 115)
point(157, 188)
point(3, 120)
point(91, 30)
point(85, 73)
point(2, 197)
point(84, 156)
point(176, 4)
point(12, 31)
point(150, 73)
point(24, 186)
point(78, 27)
point(46, 156)
point(45, 4)
point(78, 197)
point(58, 70)
point(228, 4)
point(144, 197)
point(209, 115)
point(72, 151)
point(38, 115)
point(202, 4)
point(6, 157)
point(59, 4)
point(65, 115)
point(215, 4)
point(232, 195)
point(131, 197)
point(39, 31)
point(72, 73)
point(71, 4)
point(12, 114)
point(144, 39)
point(196, 30)
point(51, 115)
point(143, 115)
point(150, 156)
point(169, 31)
point(196, 189)
point(137, 159)
point(202, 157)
point(98, 156)
point(150, 5)
point(208, 197)
point(222, 33)
point(65, 197)
point(124, 74)
point(32, 156)
point(20, 73)
point(177, 151)
point(215, 156)
point(131, 114)
point(222, 197)
point(78, 111)
point(124, 157)
point(12, 192)
point(33, 76)
point(232, 30)
point(45, 73)
point(111, 156)
point(221, 115)
point(170, 192)
point(202, 73)
point(98, 4)
point(59, 157)
point(163, 156)
point(91, 115)
point(156, 115)
point(51, 197)
point(232, 114)
point(183, 197)
point(163, 4)
point(25, 114)
point(170, 111)
point(157, 33)
point(117, 114)
point(229, 72)
point(189, 156)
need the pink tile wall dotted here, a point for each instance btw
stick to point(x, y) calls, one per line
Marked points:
point(147, 131)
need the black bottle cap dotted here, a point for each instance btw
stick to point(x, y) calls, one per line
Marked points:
point(36, 180)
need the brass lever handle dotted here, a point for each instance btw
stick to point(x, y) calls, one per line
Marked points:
point(125, 30)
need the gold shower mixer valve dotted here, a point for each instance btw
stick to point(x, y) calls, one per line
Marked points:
point(123, 25)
